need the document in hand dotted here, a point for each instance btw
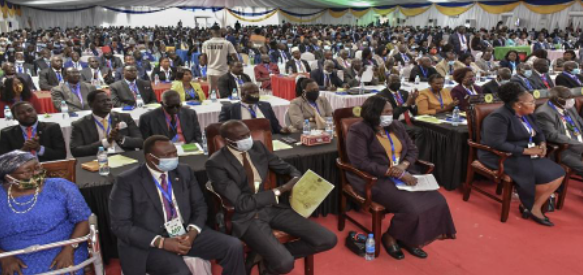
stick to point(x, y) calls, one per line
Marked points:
point(367, 74)
point(424, 183)
point(309, 193)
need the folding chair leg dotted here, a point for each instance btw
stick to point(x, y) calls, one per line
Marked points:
point(309, 265)
point(499, 188)
point(342, 214)
point(468, 183)
point(506, 199)
point(377, 217)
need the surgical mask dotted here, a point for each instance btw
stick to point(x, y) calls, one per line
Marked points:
point(395, 86)
point(19, 62)
point(312, 96)
point(166, 164)
point(33, 182)
point(252, 99)
point(243, 145)
point(570, 103)
point(450, 63)
point(386, 121)
point(576, 71)
point(528, 73)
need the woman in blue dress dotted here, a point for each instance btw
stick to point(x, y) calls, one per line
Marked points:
point(35, 210)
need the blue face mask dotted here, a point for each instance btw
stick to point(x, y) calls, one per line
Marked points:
point(166, 164)
point(451, 63)
point(576, 71)
point(528, 73)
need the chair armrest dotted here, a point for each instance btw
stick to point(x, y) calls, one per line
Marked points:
point(226, 205)
point(503, 155)
point(557, 149)
point(429, 167)
point(370, 180)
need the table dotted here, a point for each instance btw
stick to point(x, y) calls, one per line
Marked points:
point(556, 54)
point(283, 86)
point(95, 189)
point(164, 86)
point(342, 100)
point(500, 52)
point(46, 102)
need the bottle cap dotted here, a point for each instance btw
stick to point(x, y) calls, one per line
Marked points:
point(371, 235)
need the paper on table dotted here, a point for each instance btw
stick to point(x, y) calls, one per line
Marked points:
point(425, 182)
point(188, 151)
point(428, 119)
point(309, 193)
point(278, 145)
point(367, 74)
point(117, 161)
point(153, 105)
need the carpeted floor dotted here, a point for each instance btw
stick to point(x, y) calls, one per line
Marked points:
point(484, 245)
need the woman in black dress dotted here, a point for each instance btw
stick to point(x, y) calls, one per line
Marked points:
point(381, 147)
point(512, 128)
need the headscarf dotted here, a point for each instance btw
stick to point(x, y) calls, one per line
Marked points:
point(11, 161)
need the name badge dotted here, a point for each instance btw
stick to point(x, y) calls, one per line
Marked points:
point(174, 228)
point(532, 145)
point(111, 149)
point(396, 162)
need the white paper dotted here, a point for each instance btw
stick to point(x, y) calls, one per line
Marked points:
point(367, 74)
point(424, 183)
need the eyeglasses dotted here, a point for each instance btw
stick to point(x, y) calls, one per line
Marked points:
point(528, 102)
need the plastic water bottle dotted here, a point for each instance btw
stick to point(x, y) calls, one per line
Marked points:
point(479, 76)
point(361, 88)
point(513, 71)
point(139, 101)
point(330, 127)
point(7, 113)
point(213, 96)
point(370, 248)
point(204, 145)
point(28, 72)
point(103, 162)
point(234, 95)
point(279, 61)
point(456, 116)
point(252, 57)
point(156, 79)
point(64, 107)
point(306, 130)
point(417, 80)
point(403, 80)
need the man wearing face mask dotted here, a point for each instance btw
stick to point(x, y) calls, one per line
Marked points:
point(540, 77)
point(264, 71)
point(503, 76)
point(232, 80)
point(522, 77)
point(158, 214)
point(178, 123)
point(571, 76)
point(21, 67)
point(308, 106)
point(237, 172)
point(42, 139)
point(250, 107)
point(116, 132)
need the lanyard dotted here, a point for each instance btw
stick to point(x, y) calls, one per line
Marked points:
point(527, 83)
point(203, 70)
point(394, 156)
point(469, 91)
point(438, 98)
point(174, 127)
point(513, 64)
point(191, 93)
point(103, 128)
point(315, 105)
point(574, 77)
point(529, 128)
point(424, 72)
point(25, 133)
point(77, 91)
point(251, 111)
point(398, 97)
point(167, 195)
point(566, 117)
point(267, 67)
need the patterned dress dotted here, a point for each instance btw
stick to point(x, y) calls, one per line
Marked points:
point(59, 208)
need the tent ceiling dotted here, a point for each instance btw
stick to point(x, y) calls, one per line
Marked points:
point(224, 3)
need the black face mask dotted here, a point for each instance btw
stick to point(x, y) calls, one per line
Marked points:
point(395, 86)
point(251, 99)
point(312, 96)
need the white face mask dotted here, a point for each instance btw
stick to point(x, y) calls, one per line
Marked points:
point(243, 145)
point(570, 103)
point(386, 121)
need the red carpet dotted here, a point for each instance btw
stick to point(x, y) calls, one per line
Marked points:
point(484, 245)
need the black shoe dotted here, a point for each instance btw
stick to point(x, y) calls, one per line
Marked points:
point(544, 221)
point(263, 269)
point(523, 211)
point(394, 250)
point(415, 251)
point(253, 258)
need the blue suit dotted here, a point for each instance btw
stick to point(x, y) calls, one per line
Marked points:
point(69, 64)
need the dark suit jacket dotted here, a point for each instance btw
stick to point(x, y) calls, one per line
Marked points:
point(455, 40)
point(228, 178)
point(318, 76)
point(460, 93)
point(565, 80)
point(290, 66)
point(507, 64)
point(50, 136)
point(537, 82)
point(538, 45)
point(137, 215)
point(85, 138)
point(40, 64)
point(162, 75)
point(336, 65)
point(499, 43)
point(233, 111)
point(399, 59)
point(142, 73)
point(416, 71)
point(122, 95)
point(551, 123)
point(522, 81)
point(227, 83)
point(26, 67)
point(491, 87)
point(87, 76)
point(115, 62)
point(47, 79)
point(275, 55)
point(350, 77)
point(154, 123)
point(398, 110)
point(69, 63)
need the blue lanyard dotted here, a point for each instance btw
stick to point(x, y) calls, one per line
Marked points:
point(395, 161)
point(574, 77)
point(167, 195)
point(527, 83)
point(468, 91)
point(423, 71)
point(315, 105)
point(103, 128)
point(251, 111)
point(174, 127)
point(203, 70)
point(529, 128)
point(24, 133)
point(191, 93)
point(513, 64)
point(566, 117)
point(398, 97)
point(438, 98)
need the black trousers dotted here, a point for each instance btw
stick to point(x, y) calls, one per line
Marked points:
point(208, 245)
point(280, 258)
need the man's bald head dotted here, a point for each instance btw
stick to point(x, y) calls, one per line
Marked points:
point(560, 92)
point(541, 65)
point(393, 78)
point(234, 130)
point(569, 66)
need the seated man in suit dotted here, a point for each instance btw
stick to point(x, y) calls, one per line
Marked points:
point(178, 123)
point(250, 107)
point(9, 72)
point(44, 61)
point(403, 57)
point(21, 66)
point(540, 77)
point(174, 60)
point(108, 60)
point(150, 202)
point(296, 64)
point(199, 71)
point(125, 91)
point(73, 91)
point(264, 71)
point(43, 139)
point(571, 76)
point(142, 61)
point(130, 61)
point(424, 70)
point(541, 43)
point(326, 77)
point(559, 121)
point(280, 55)
point(523, 73)
point(329, 56)
point(232, 80)
point(486, 63)
point(237, 172)
point(51, 77)
point(116, 132)
point(94, 74)
point(75, 62)
point(343, 59)
point(353, 74)
point(164, 71)
point(503, 76)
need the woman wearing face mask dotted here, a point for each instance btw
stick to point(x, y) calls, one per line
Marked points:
point(512, 129)
point(15, 90)
point(189, 90)
point(382, 148)
point(571, 76)
point(435, 99)
point(466, 87)
point(35, 210)
point(309, 105)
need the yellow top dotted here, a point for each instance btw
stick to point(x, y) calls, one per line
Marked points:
point(177, 86)
point(386, 143)
point(428, 103)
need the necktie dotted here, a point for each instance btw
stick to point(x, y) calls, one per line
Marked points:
point(173, 130)
point(29, 137)
point(59, 77)
point(95, 75)
point(326, 80)
point(20, 69)
point(299, 65)
point(105, 124)
point(134, 90)
point(406, 113)
point(167, 204)
point(544, 78)
point(248, 172)
point(203, 71)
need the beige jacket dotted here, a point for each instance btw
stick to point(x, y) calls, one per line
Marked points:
point(300, 110)
point(443, 69)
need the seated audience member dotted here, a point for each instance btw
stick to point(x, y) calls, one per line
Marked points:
point(522, 77)
point(353, 74)
point(296, 64)
point(130, 61)
point(568, 55)
point(540, 78)
point(326, 78)
point(146, 197)
point(448, 65)
point(403, 58)
point(44, 61)
point(237, 172)
point(180, 124)
point(571, 76)
point(343, 59)
point(511, 61)
point(94, 74)
point(486, 62)
point(232, 80)
point(75, 62)
point(52, 76)
point(435, 99)
point(424, 70)
point(250, 107)
point(309, 105)
point(541, 43)
point(559, 121)
point(108, 60)
point(15, 90)
point(42, 139)
point(536, 178)
point(125, 92)
point(174, 60)
point(199, 70)
point(389, 69)
point(280, 55)
point(189, 90)
point(328, 55)
point(164, 72)
point(466, 87)
point(468, 61)
point(21, 66)
point(503, 76)
point(264, 71)
point(58, 212)
point(116, 132)
point(421, 217)
point(142, 61)
point(10, 72)
point(73, 91)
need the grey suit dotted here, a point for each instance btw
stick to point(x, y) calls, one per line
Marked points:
point(87, 75)
point(550, 122)
point(484, 66)
point(525, 83)
point(538, 83)
point(154, 123)
point(350, 78)
point(63, 92)
point(47, 79)
point(121, 94)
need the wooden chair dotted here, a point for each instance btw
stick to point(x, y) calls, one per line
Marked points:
point(261, 131)
point(343, 119)
point(61, 169)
